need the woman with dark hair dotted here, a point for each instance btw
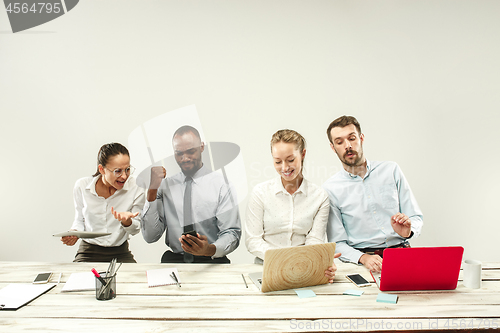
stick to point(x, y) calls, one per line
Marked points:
point(109, 201)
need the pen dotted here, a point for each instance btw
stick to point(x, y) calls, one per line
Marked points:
point(98, 276)
point(104, 285)
point(116, 270)
point(246, 285)
point(173, 276)
point(111, 268)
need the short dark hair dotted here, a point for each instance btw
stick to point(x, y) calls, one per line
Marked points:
point(107, 151)
point(342, 122)
point(186, 129)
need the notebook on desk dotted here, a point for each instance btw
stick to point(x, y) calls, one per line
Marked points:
point(294, 267)
point(162, 277)
point(16, 295)
point(420, 268)
point(82, 281)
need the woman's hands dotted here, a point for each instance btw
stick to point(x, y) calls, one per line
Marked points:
point(124, 217)
point(330, 272)
point(69, 240)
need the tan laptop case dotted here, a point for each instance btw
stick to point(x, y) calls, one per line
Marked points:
point(296, 267)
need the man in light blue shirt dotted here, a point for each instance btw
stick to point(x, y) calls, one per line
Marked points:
point(371, 204)
point(195, 200)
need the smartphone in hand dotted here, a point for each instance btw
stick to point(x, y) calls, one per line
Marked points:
point(192, 233)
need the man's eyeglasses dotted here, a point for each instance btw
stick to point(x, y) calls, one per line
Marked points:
point(118, 172)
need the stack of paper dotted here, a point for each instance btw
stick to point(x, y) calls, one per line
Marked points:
point(80, 282)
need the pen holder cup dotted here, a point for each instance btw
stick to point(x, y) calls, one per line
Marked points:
point(105, 289)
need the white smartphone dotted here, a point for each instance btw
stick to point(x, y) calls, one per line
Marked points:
point(42, 277)
point(358, 280)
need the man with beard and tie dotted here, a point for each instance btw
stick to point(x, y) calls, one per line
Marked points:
point(371, 204)
point(196, 208)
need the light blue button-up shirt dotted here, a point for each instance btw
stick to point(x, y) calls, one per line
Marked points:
point(361, 208)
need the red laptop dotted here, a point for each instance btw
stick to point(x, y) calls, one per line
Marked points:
point(420, 268)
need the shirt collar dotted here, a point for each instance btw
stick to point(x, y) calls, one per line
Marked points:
point(279, 188)
point(203, 171)
point(368, 168)
point(92, 184)
point(352, 176)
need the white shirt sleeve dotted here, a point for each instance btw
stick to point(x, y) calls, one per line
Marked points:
point(318, 231)
point(254, 226)
point(137, 206)
point(79, 221)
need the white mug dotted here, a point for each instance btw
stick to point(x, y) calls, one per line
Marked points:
point(472, 274)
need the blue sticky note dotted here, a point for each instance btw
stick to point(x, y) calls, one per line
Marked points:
point(387, 298)
point(353, 292)
point(305, 293)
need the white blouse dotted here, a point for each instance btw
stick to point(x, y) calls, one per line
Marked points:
point(93, 213)
point(276, 218)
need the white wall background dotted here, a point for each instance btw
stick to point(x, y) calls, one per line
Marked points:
point(422, 77)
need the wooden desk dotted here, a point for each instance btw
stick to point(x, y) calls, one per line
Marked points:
point(214, 298)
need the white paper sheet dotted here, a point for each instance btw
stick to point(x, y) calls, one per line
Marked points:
point(80, 282)
point(16, 295)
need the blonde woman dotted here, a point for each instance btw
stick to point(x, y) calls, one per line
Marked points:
point(287, 210)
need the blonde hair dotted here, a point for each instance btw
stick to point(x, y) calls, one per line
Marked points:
point(289, 136)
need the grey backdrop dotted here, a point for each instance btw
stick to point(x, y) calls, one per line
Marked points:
point(422, 77)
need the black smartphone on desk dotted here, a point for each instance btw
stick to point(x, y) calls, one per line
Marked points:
point(192, 233)
point(358, 280)
point(42, 278)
